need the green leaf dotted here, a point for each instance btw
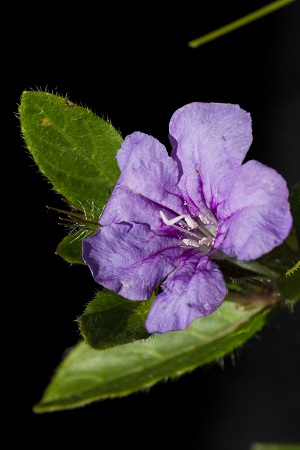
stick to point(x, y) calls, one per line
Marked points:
point(70, 248)
point(110, 320)
point(289, 283)
point(87, 375)
point(74, 148)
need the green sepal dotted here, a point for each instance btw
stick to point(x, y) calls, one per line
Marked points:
point(87, 375)
point(110, 320)
point(289, 284)
point(81, 224)
point(73, 147)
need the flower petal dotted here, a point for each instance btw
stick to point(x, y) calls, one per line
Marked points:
point(130, 259)
point(209, 140)
point(148, 174)
point(126, 205)
point(194, 290)
point(255, 210)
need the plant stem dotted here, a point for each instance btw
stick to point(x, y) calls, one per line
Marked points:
point(239, 22)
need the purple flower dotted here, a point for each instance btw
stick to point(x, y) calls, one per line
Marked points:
point(169, 216)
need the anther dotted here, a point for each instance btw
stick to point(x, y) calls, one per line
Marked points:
point(190, 243)
point(206, 241)
point(204, 219)
point(190, 222)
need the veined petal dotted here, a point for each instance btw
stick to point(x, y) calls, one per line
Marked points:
point(126, 205)
point(208, 140)
point(147, 171)
point(192, 291)
point(255, 209)
point(130, 259)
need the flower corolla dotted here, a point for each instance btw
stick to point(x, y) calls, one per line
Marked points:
point(172, 214)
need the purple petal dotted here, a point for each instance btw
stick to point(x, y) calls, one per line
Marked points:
point(209, 140)
point(255, 209)
point(149, 175)
point(130, 259)
point(126, 205)
point(194, 290)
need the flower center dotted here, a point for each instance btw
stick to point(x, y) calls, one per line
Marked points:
point(200, 231)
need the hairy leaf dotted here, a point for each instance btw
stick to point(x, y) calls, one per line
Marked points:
point(73, 147)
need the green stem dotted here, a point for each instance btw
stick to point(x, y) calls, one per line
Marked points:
point(239, 22)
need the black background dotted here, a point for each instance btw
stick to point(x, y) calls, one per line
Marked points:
point(132, 65)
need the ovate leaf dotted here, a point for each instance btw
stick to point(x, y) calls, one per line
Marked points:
point(73, 147)
point(110, 320)
point(87, 375)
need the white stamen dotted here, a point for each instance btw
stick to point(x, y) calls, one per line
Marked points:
point(204, 219)
point(206, 241)
point(190, 222)
point(172, 221)
point(190, 242)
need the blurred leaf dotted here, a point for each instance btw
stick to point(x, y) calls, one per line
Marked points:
point(87, 375)
point(292, 241)
point(74, 148)
point(295, 209)
point(289, 283)
point(247, 269)
point(110, 320)
point(279, 259)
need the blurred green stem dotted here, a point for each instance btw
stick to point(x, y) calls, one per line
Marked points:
point(239, 22)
